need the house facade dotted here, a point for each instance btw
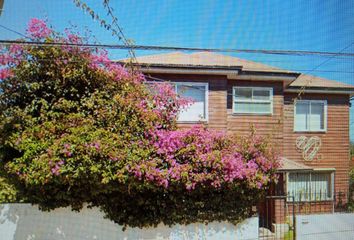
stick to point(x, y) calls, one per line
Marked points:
point(307, 117)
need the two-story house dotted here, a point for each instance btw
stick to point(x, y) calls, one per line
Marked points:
point(306, 116)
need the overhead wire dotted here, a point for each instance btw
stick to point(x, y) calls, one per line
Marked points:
point(131, 47)
point(308, 82)
point(254, 69)
point(164, 48)
point(14, 31)
point(126, 46)
point(120, 29)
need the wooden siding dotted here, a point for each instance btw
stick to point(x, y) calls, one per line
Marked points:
point(266, 125)
point(279, 126)
point(334, 152)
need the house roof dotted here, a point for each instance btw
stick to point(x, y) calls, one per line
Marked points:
point(313, 81)
point(290, 165)
point(217, 61)
point(204, 59)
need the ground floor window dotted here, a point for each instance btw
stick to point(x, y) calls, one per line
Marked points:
point(310, 186)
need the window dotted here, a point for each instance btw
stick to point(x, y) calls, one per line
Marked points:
point(198, 110)
point(314, 186)
point(310, 116)
point(252, 100)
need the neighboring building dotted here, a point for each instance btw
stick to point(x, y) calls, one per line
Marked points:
point(1, 6)
point(311, 133)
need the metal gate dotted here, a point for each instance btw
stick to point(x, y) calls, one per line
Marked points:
point(277, 218)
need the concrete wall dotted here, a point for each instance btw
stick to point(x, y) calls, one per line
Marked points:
point(26, 222)
point(325, 226)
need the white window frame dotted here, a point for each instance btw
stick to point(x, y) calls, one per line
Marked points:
point(324, 102)
point(234, 101)
point(206, 110)
point(316, 171)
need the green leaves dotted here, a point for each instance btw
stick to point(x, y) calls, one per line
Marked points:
point(76, 128)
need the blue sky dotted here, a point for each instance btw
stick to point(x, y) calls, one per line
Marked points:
point(285, 25)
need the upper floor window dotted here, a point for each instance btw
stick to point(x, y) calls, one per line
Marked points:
point(198, 92)
point(310, 116)
point(253, 100)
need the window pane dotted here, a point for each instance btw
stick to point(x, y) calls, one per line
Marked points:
point(317, 116)
point(302, 116)
point(249, 107)
point(243, 93)
point(309, 186)
point(197, 110)
point(260, 94)
point(298, 186)
point(320, 186)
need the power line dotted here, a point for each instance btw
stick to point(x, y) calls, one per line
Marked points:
point(162, 48)
point(114, 27)
point(264, 59)
point(14, 31)
point(303, 88)
point(326, 71)
point(165, 48)
point(129, 46)
point(255, 69)
point(120, 29)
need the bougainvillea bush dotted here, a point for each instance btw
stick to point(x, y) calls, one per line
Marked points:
point(77, 128)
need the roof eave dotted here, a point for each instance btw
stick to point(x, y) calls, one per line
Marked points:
point(189, 70)
point(333, 90)
point(232, 72)
point(284, 76)
point(186, 66)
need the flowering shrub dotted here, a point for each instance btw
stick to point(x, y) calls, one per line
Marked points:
point(202, 158)
point(78, 128)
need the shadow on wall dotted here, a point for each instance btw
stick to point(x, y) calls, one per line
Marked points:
point(24, 221)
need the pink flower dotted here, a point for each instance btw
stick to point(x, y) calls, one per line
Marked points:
point(5, 73)
point(73, 38)
point(55, 170)
point(38, 28)
point(97, 146)
point(6, 58)
point(15, 49)
point(66, 151)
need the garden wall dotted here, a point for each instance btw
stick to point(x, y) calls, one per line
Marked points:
point(24, 221)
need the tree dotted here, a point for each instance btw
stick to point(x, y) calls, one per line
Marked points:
point(351, 149)
point(77, 128)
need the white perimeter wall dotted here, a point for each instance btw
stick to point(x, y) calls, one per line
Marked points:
point(26, 222)
point(325, 226)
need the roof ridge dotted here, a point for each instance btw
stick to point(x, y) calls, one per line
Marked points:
point(266, 66)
